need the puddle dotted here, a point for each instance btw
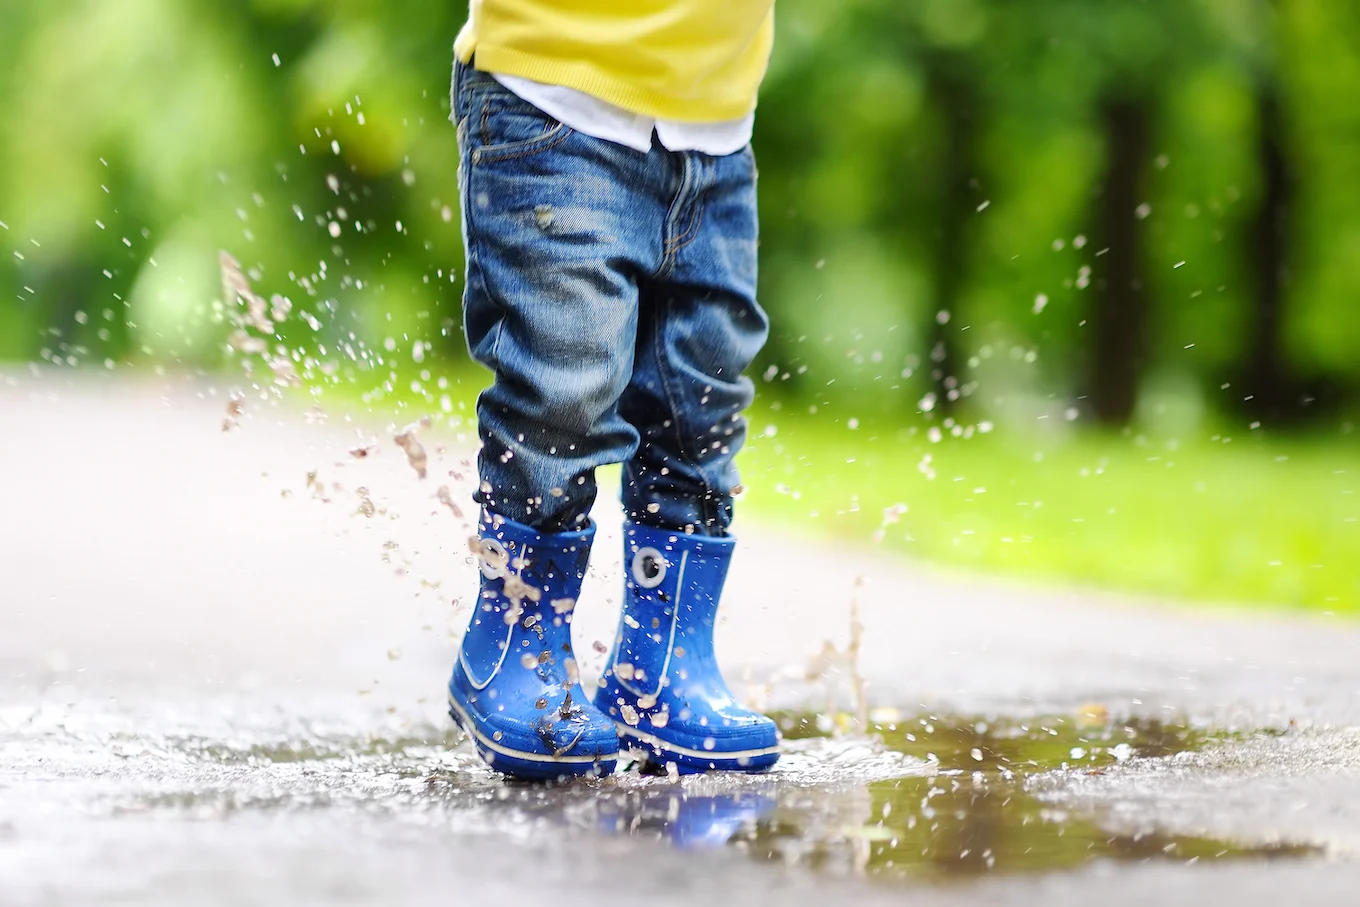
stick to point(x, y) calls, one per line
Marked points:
point(975, 816)
point(931, 797)
point(926, 798)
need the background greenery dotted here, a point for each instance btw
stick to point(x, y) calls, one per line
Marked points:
point(1096, 257)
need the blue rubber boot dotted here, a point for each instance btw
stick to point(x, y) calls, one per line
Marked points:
point(515, 688)
point(662, 686)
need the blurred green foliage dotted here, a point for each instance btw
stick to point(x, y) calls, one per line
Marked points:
point(1033, 203)
point(971, 160)
point(944, 182)
point(142, 136)
point(1138, 213)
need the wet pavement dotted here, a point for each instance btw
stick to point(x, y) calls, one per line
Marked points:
point(221, 667)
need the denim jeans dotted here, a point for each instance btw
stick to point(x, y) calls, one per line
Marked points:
point(613, 294)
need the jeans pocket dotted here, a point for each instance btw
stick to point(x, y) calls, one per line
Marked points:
point(503, 126)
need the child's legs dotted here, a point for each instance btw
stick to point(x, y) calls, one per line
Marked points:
point(700, 327)
point(556, 226)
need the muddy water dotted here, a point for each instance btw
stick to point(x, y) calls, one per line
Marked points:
point(975, 815)
point(924, 797)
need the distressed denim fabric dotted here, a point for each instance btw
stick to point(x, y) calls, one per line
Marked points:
point(613, 294)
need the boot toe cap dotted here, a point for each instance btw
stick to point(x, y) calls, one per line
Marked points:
point(744, 732)
point(526, 741)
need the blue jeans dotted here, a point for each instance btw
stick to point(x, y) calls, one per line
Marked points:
point(613, 294)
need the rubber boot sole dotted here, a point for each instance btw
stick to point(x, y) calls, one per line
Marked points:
point(691, 761)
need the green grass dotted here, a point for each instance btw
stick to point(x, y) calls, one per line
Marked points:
point(1251, 519)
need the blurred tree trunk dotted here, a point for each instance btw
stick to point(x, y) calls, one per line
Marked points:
point(1266, 380)
point(1120, 315)
point(958, 191)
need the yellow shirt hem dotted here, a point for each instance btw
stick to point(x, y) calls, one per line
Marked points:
point(583, 76)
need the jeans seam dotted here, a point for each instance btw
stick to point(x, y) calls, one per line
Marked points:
point(697, 220)
point(474, 264)
point(674, 244)
point(659, 347)
point(493, 355)
point(691, 234)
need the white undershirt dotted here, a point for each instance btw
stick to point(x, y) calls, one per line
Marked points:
point(588, 114)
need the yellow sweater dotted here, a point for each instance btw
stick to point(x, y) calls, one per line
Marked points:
point(687, 60)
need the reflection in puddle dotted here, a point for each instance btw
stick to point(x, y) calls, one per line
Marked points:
point(958, 808)
point(925, 797)
point(690, 822)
